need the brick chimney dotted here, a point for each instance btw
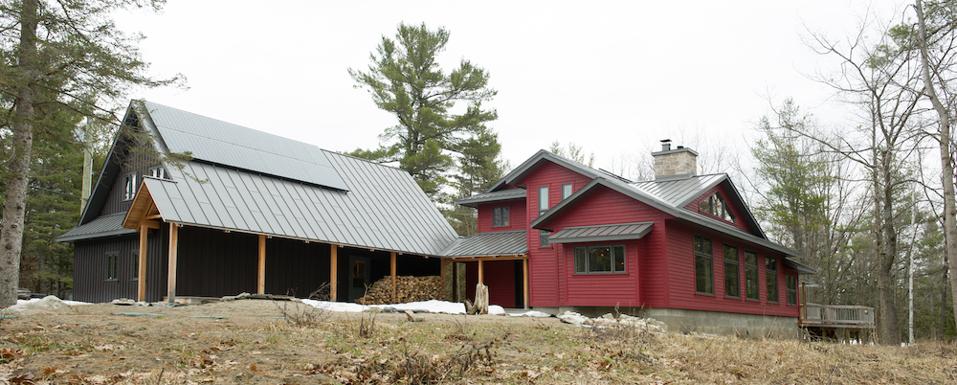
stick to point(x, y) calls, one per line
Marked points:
point(675, 162)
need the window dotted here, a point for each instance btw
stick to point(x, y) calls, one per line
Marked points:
point(158, 172)
point(751, 274)
point(600, 259)
point(566, 190)
point(703, 266)
point(129, 186)
point(716, 206)
point(542, 199)
point(111, 267)
point(732, 276)
point(542, 238)
point(792, 289)
point(771, 274)
point(500, 217)
point(136, 265)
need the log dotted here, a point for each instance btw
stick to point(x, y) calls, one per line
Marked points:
point(481, 298)
point(407, 289)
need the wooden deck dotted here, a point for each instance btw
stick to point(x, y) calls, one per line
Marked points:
point(836, 316)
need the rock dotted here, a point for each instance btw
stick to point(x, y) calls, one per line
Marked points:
point(123, 302)
point(573, 318)
point(609, 320)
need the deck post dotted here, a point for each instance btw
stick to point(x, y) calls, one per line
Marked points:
point(141, 264)
point(525, 283)
point(171, 269)
point(261, 270)
point(481, 272)
point(333, 271)
point(394, 279)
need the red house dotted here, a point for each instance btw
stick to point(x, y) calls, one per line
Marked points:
point(683, 248)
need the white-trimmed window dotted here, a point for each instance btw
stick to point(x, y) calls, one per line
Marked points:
point(566, 190)
point(500, 217)
point(599, 259)
point(542, 199)
point(158, 172)
point(129, 186)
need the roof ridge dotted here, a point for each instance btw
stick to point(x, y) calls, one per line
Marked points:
point(361, 159)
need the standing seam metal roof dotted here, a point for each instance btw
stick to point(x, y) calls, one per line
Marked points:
point(613, 232)
point(495, 196)
point(502, 243)
point(104, 226)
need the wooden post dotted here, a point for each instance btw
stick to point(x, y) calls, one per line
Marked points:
point(333, 271)
point(141, 264)
point(394, 280)
point(443, 266)
point(525, 282)
point(261, 276)
point(171, 269)
point(481, 272)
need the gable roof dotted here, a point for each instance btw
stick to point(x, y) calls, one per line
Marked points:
point(526, 166)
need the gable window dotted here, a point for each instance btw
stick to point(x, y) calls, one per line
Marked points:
point(500, 217)
point(136, 265)
point(732, 276)
point(129, 186)
point(599, 259)
point(566, 190)
point(751, 274)
point(111, 264)
point(792, 289)
point(716, 206)
point(158, 172)
point(542, 199)
point(772, 277)
point(703, 266)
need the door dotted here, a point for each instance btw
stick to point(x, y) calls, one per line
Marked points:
point(358, 276)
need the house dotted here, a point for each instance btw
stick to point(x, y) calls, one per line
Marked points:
point(683, 248)
point(190, 206)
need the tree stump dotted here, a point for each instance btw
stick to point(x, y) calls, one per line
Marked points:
point(481, 298)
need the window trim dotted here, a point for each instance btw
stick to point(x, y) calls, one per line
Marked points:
point(543, 203)
point(710, 258)
point(624, 257)
point(153, 172)
point(497, 214)
point(112, 266)
point(567, 190)
point(757, 277)
point(737, 263)
point(129, 186)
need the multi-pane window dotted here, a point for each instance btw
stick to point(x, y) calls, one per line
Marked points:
point(111, 265)
point(500, 217)
point(792, 289)
point(771, 274)
point(158, 172)
point(703, 266)
point(600, 259)
point(751, 274)
point(136, 265)
point(566, 190)
point(732, 277)
point(542, 199)
point(716, 206)
point(129, 186)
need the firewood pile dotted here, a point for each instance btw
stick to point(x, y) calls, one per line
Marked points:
point(408, 289)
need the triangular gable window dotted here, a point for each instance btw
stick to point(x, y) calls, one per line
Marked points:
point(716, 206)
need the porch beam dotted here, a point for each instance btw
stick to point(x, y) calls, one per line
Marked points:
point(261, 270)
point(333, 271)
point(490, 259)
point(141, 264)
point(525, 283)
point(171, 269)
point(395, 292)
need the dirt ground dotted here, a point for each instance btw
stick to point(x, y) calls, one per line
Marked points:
point(265, 342)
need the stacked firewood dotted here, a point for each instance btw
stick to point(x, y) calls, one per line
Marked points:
point(408, 289)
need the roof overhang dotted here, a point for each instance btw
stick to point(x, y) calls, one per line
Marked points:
point(526, 166)
point(496, 196)
point(600, 233)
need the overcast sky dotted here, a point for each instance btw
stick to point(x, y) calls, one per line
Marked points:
point(612, 77)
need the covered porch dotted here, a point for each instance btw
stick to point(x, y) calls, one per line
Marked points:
point(498, 260)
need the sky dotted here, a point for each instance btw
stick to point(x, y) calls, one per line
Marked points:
point(613, 77)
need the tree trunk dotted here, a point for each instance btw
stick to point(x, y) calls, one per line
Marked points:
point(946, 160)
point(11, 233)
point(890, 334)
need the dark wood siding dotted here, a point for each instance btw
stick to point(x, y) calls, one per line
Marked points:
point(90, 268)
point(136, 161)
point(213, 263)
point(295, 267)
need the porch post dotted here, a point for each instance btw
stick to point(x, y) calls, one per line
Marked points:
point(443, 266)
point(141, 264)
point(392, 274)
point(333, 271)
point(481, 272)
point(525, 282)
point(261, 270)
point(171, 269)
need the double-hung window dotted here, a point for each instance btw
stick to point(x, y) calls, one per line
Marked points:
point(599, 259)
point(703, 266)
point(732, 277)
point(751, 274)
point(129, 186)
point(500, 217)
point(566, 190)
point(772, 277)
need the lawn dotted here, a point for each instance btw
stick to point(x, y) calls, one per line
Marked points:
point(265, 342)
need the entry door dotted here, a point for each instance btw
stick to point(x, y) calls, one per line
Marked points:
point(358, 276)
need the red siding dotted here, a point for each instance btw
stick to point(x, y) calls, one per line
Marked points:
point(682, 284)
point(516, 212)
point(736, 210)
point(542, 266)
point(500, 279)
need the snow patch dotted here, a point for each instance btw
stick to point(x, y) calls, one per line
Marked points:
point(50, 302)
point(532, 313)
point(344, 307)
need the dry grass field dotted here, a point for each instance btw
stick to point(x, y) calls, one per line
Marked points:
point(265, 342)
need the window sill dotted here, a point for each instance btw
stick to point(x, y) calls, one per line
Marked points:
point(734, 297)
point(753, 300)
point(601, 273)
point(703, 294)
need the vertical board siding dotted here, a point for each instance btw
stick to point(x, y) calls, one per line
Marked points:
point(213, 263)
point(516, 211)
point(295, 267)
point(139, 162)
point(542, 262)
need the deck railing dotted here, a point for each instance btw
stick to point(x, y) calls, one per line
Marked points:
point(851, 316)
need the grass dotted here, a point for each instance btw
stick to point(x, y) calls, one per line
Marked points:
point(258, 342)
